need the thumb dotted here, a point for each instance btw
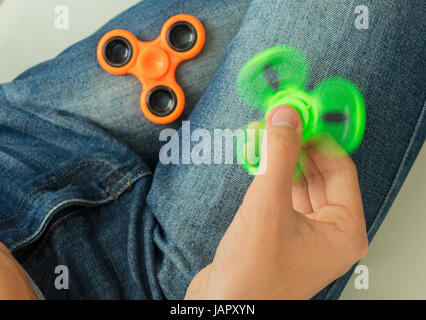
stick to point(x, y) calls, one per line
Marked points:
point(281, 146)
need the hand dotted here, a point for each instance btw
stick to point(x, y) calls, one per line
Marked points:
point(14, 283)
point(288, 241)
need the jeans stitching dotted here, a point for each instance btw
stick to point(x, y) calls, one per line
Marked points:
point(48, 232)
point(99, 164)
point(113, 180)
point(61, 205)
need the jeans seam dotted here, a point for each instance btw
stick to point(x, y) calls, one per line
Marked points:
point(48, 232)
point(85, 164)
point(391, 188)
point(114, 180)
point(64, 204)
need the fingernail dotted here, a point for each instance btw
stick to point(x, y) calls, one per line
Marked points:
point(284, 116)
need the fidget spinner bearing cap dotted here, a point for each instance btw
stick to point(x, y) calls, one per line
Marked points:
point(278, 76)
point(154, 63)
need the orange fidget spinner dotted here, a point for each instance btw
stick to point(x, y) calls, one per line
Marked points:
point(154, 63)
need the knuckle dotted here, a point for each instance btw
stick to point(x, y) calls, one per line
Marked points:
point(350, 165)
point(362, 247)
point(314, 177)
point(356, 238)
point(359, 243)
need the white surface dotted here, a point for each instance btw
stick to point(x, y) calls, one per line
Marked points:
point(397, 256)
point(28, 35)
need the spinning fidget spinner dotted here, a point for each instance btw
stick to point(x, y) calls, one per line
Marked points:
point(154, 63)
point(277, 76)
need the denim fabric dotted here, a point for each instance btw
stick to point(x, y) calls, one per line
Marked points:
point(81, 183)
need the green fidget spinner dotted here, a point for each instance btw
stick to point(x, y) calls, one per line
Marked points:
point(278, 76)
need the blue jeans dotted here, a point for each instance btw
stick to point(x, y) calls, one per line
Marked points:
point(81, 184)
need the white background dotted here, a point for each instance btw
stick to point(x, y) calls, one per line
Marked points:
point(397, 256)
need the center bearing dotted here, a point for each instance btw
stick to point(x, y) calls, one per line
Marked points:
point(153, 62)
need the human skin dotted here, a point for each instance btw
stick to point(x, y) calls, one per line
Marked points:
point(289, 240)
point(14, 283)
